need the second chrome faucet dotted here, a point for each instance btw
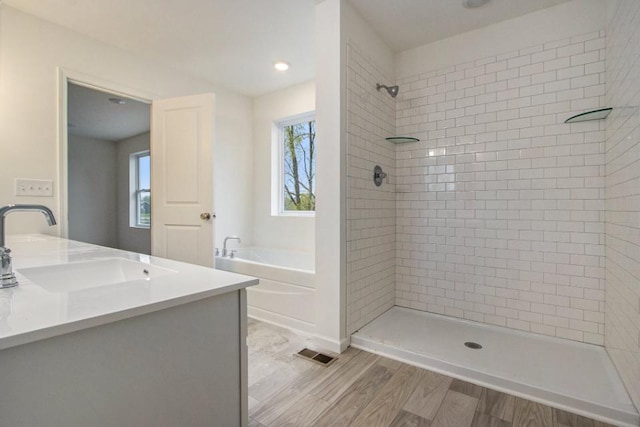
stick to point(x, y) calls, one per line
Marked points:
point(224, 246)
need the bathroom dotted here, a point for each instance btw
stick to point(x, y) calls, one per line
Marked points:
point(500, 215)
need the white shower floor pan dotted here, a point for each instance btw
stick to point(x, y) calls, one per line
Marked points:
point(565, 374)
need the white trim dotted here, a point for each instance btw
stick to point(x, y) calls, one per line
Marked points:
point(277, 164)
point(66, 76)
point(296, 118)
point(331, 344)
point(276, 150)
point(300, 327)
point(134, 188)
point(309, 214)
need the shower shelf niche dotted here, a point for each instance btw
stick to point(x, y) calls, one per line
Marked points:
point(402, 139)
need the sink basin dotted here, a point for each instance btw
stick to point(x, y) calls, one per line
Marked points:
point(90, 274)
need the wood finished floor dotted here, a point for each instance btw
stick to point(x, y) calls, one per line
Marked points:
point(363, 389)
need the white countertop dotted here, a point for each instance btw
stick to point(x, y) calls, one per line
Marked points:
point(30, 312)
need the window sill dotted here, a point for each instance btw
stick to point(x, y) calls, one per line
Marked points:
point(302, 214)
point(141, 227)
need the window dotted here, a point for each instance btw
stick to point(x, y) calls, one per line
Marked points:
point(140, 180)
point(296, 165)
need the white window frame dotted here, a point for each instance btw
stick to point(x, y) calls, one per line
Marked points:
point(135, 190)
point(277, 164)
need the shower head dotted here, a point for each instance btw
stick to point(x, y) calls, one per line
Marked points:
point(392, 90)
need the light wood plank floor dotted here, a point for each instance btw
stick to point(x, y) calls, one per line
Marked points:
point(363, 389)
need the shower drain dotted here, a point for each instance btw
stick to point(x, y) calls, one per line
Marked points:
point(473, 345)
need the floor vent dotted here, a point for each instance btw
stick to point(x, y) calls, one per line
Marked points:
point(314, 356)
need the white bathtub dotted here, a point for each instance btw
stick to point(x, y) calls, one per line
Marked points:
point(286, 293)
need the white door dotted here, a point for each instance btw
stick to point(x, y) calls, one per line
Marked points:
point(182, 179)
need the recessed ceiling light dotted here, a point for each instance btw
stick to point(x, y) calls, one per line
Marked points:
point(118, 101)
point(471, 4)
point(281, 65)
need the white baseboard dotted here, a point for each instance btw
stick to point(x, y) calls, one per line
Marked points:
point(330, 344)
point(296, 325)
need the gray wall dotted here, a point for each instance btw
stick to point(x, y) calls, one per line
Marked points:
point(622, 204)
point(130, 238)
point(99, 193)
point(92, 191)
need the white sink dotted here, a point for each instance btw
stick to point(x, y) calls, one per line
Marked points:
point(90, 274)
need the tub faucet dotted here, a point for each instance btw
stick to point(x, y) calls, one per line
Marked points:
point(224, 246)
point(7, 276)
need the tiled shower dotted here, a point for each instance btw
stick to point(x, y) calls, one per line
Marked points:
point(371, 210)
point(502, 213)
point(622, 195)
point(500, 206)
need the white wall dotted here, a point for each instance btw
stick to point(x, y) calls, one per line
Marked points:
point(233, 168)
point(330, 209)
point(622, 205)
point(130, 238)
point(554, 23)
point(92, 191)
point(337, 26)
point(359, 33)
point(273, 231)
point(31, 49)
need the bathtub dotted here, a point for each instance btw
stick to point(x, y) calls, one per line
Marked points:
point(286, 293)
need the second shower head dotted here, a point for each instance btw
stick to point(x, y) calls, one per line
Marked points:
point(391, 90)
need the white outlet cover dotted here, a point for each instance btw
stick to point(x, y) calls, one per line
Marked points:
point(34, 187)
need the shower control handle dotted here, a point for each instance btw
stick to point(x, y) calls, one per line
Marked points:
point(378, 175)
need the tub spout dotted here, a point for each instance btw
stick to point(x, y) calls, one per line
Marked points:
point(224, 246)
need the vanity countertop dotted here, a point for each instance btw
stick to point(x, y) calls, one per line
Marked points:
point(43, 305)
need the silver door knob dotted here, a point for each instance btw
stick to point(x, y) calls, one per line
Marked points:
point(206, 216)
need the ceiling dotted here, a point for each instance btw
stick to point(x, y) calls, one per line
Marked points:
point(405, 24)
point(91, 114)
point(234, 43)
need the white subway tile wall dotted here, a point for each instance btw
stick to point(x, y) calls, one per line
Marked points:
point(371, 211)
point(500, 207)
point(622, 323)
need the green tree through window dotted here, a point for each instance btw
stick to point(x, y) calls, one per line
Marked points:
point(299, 166)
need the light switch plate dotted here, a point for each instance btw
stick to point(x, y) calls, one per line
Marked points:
point(34, 187)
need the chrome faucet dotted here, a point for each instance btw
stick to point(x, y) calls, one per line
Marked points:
point(7, 276)
point(224, 246)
